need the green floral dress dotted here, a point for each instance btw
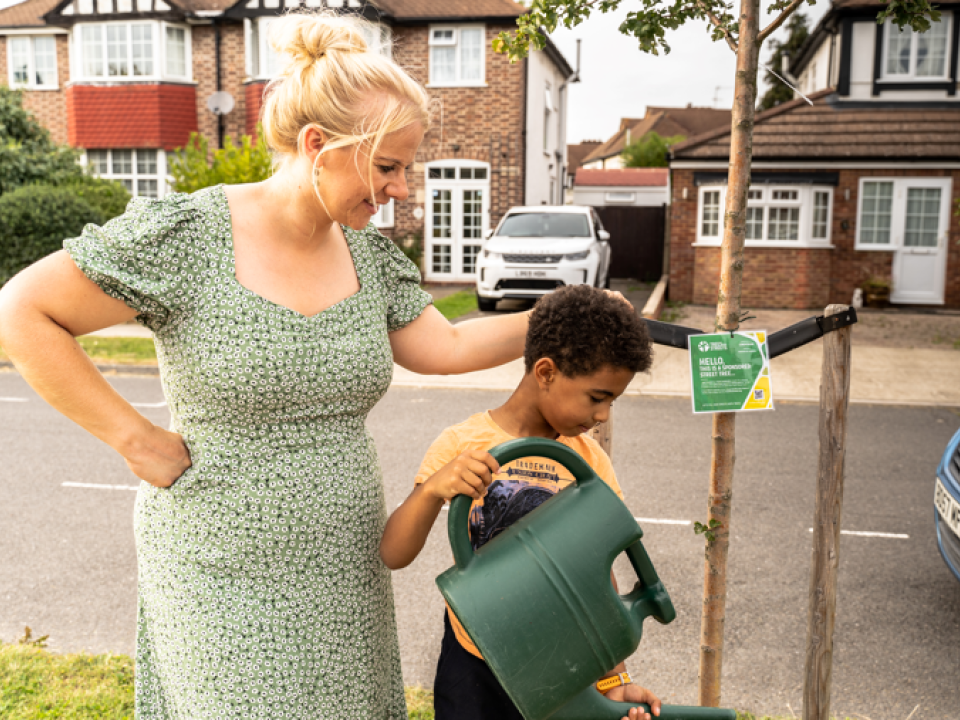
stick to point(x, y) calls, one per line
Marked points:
point(261, 590)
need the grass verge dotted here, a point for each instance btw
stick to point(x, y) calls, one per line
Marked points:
point(36, 683)
point(115, 350)
point(456, 304)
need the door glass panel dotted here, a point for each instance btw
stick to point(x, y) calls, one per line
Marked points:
point(923, 217)
point(441, 210)
point(441, 259)
point(875, 213)
point(472, 214)
point(470, 253)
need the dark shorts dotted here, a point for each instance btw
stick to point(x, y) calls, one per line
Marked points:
point(465, 687)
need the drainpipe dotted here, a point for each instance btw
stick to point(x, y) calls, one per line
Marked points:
point(562, 94)
point(216, 43)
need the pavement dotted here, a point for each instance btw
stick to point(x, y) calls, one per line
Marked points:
point(880, 375)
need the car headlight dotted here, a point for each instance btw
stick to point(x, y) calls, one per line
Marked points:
point(577, 256)
point(491, 255)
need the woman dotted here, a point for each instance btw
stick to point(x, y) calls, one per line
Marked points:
point(277, 313)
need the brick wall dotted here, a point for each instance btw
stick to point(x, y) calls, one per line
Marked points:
point(486, 123)
point(253, 94)
point(155, 115)
point(232, 73)
point(801, 278)
point(48, 106)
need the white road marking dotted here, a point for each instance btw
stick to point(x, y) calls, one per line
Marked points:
point(162, 403)
point(96, 486)
point(13, 399)
point(661, 521)
point(862, 533)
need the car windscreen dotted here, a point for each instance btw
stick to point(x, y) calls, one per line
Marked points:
point(545, 224)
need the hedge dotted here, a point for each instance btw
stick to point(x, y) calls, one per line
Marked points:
point(35, 220)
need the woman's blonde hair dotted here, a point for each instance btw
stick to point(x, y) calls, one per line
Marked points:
point(334, 82)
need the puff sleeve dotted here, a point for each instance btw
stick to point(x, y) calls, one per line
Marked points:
point(147, 257)
point(406, 300)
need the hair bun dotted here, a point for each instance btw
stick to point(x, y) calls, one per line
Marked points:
point(308, 38)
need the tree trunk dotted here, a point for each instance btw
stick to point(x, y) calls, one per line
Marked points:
point(728, 318)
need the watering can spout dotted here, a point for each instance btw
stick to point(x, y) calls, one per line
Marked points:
point(591, 705)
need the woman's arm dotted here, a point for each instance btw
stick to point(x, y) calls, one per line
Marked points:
point(430, 345)
point(42, 309)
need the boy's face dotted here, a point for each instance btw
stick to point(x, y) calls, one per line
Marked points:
point(574, 405)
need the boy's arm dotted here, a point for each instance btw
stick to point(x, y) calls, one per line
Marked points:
point(466, 473)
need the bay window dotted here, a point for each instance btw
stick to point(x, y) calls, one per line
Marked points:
point(911, 55)
point(133, 51)
point(776, 216)
point(456, 55)
point(32, 61)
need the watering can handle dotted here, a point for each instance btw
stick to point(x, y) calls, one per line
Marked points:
point(593, 705)
point(649, 597)
point(503, 454)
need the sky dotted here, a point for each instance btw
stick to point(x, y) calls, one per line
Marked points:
point(618, 80)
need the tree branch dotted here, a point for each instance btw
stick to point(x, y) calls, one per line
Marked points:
point(787, 11)
point(713, 19)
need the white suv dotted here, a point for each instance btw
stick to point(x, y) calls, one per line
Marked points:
point(534, 250)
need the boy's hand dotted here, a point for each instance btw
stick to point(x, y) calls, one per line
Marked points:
point(635, 694)
point(467, 474)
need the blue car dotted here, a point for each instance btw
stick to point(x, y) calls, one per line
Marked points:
point(946, 499)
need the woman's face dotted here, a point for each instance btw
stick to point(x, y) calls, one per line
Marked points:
point(344, 182)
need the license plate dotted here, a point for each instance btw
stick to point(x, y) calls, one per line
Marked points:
point(948, 508)
point(530, 273)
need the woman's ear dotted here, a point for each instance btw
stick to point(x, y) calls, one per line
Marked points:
point(313, 140)
point(545, 371)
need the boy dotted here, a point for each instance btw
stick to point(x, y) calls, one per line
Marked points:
point(583, 348)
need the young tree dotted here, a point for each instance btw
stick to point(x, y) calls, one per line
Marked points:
point(651, 150)
point(648, 23)
point(797, 33)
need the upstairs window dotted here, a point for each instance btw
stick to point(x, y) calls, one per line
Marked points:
point(133, 51)
point(265, 63)
point(456, 55)
point(32, 62)
point(909, 54)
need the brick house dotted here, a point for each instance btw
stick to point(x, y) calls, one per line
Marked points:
point(129, 80)
point(861, 184)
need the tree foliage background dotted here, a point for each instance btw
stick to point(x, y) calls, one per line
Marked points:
point(651, 150)
point(798, 31)
point(194, 167)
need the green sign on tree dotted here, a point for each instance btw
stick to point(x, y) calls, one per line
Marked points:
point(730, 372)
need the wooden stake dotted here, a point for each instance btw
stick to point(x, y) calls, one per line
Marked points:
point(834, 398)
point(603, 434)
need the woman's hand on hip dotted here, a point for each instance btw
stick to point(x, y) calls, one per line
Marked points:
point(159, 458)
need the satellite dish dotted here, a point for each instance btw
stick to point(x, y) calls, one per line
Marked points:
point(220, 103)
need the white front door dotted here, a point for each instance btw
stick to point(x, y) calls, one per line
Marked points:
point(458, 202)
point(922, 219)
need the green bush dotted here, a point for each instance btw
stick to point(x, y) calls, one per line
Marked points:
point(649, 151)
point(110, 197)
point(27, 154)
point(35, 220)
point(193, 168)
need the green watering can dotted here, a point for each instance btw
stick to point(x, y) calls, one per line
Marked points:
point(538, 603)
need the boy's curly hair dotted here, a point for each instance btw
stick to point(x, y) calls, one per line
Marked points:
point(582, 329)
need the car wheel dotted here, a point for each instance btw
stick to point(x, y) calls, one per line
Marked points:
point(486, 304)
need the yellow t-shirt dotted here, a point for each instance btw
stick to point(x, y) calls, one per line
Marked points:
point(518, 488)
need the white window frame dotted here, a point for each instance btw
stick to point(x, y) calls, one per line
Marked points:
point(946, 19)
point(161, 175)
point(898, 207)
point(384, 217)
point(159, 58)
point(804, 201)
point(31, 64)
point(455, 43)
point(257, 50)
